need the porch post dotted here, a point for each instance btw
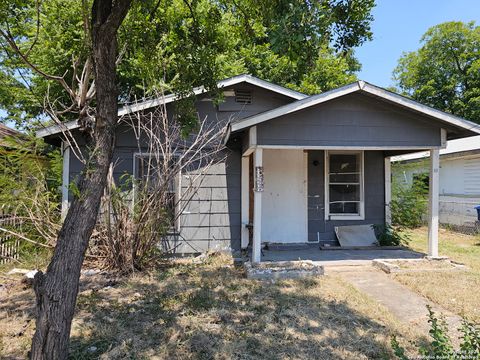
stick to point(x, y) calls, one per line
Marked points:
point(388, 191)
point(257, 210)
point(245, 200)
point(433, 203)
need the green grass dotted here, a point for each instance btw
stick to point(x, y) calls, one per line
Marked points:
point(457, 291)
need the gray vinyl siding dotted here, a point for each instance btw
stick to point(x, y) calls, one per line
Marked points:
point(352, 120)
point(316, 195)
point(318, 227)
point(211, 218)
point(211, 213)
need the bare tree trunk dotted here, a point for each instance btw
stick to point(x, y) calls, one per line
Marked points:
point(57, 289)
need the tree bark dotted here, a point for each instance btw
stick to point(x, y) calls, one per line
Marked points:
point(57, 289)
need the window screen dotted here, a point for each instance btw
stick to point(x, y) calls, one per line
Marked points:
point(344, 179)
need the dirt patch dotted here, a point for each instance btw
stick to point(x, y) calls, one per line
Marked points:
point(212, 311)
point(453, 290)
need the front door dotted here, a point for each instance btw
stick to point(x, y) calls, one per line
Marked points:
point(284, 199)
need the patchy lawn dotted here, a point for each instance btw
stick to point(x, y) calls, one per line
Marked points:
point(455, 291)
point(211, 311)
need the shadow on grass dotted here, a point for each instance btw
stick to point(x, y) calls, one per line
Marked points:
point(216, 314)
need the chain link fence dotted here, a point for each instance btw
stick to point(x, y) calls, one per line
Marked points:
point(459, 213)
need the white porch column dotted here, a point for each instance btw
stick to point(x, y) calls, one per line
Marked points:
point(388, 191)
point(433, 203)
point(65, 178)
point(257, 210)
point(245, 200)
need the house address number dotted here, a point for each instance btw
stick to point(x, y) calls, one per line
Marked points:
point(259, 183)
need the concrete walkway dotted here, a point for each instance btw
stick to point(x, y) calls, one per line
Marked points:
point(406, 305)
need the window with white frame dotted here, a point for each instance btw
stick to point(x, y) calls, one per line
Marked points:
point(344, 185)
point(147, 174)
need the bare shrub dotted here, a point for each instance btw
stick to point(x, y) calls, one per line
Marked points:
point(140, 212)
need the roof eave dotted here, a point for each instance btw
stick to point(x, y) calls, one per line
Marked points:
point(296, 106)
point(128, 109)
point(468, 128)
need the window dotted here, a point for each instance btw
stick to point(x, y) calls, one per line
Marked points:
point(344, 185)
point(148, 173)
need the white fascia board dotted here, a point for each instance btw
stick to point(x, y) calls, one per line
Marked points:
point(55, 129)
point(269, 86)
point(424, 109)
point(358, 86)
point(127, 109)
point(296, 106)
point(147, 104)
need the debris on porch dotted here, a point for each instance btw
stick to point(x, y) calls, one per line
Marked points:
point(415, 265)
point(356, 235)
point(283, 270)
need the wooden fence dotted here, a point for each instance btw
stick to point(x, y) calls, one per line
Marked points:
point(9, 244)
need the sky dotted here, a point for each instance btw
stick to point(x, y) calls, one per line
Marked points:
point(398, 27)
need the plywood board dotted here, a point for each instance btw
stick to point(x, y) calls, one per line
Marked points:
point(356, 235)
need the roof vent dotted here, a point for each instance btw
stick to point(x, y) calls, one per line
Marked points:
point(243, 96)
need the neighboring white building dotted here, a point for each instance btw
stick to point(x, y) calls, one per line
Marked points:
point(459, 178)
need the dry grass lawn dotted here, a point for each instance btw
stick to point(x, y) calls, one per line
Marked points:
point(211, 311)
point(457, 291)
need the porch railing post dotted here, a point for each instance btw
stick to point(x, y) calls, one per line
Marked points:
point(388, 191)
point(433, 203)
point(257, 209)
point(245, 200)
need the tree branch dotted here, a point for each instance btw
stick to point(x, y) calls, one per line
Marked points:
point(24, 238)
point(13, 45)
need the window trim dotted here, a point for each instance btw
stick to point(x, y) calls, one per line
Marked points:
point(361, 214)
point(177, 190)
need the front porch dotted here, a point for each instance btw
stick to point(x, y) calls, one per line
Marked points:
point(338, 257)
point(285, 202)
point(324, 162)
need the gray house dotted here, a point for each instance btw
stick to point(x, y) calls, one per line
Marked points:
point(297, 165)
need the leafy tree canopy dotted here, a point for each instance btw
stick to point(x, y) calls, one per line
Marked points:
point(445, 71)
point(176, 45)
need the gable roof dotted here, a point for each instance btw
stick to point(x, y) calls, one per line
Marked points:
point(6, 131)
point(147, 104)
point(360, 87)
point(249, 79)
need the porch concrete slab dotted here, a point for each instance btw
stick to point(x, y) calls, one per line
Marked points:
point(339, 257)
